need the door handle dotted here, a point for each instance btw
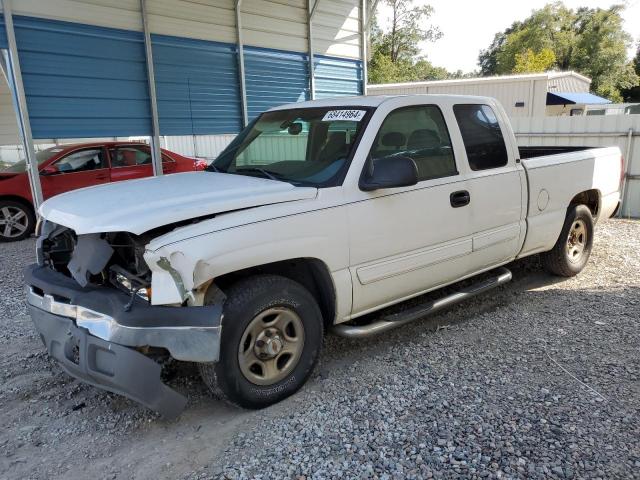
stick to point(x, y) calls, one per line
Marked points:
point(460, 198)
point(102, 177)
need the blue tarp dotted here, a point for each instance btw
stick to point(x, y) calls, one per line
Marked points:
point(573, 98)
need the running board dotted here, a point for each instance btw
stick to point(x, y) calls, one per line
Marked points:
point(394, 320)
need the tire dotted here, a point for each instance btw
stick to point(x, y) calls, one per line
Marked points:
point(252, 372)
point(571, 252)
point(17, 221)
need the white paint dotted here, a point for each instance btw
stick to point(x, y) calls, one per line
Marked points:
point(393, 243)
point(148, 203)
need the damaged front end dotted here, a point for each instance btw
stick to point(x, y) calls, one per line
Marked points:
point(90, 299)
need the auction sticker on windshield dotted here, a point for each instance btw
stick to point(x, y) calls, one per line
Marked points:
point(353, 115)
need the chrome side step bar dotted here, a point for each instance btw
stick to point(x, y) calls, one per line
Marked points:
point(394, 320)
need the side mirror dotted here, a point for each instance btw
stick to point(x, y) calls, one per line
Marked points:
point(50, 170)
point(389, 172)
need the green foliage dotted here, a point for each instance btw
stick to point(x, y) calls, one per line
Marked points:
point(588, 40)
point(532, 62)
point(383, 70)
point(632, 94)
point(395, 53)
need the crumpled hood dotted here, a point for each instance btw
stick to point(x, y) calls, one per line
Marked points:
point(138, 206)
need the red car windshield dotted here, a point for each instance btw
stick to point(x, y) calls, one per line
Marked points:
point(21, 165)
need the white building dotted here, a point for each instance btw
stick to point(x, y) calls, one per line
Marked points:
point(521, 95)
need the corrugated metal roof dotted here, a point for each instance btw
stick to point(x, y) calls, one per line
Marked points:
point(337, 77)
point(567, 98)
point(82, 80)
point(499, 78)
point(3, 33)
point(197, 86)
point(274, 77)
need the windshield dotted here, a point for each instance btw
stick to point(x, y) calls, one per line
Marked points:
point(21, 166)
point(302, 146)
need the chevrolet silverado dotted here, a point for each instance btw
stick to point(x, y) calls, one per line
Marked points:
point(317, 215)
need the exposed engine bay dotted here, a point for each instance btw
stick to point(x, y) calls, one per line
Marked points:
point(108, 259)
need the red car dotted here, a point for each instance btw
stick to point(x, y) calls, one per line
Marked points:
point(69, 167)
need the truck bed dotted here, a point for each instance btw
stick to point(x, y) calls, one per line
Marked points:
point(532, 152)
point(555, 175)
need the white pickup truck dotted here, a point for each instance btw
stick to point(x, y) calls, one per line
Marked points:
point(317, 214)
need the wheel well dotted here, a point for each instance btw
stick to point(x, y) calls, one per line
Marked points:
point(15, 198)
point(311, 273)
point(590, 198)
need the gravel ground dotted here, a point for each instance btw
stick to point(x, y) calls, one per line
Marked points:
point(539, 379)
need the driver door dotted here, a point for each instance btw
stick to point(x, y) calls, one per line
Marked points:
point(78, 169)
point(406, 240)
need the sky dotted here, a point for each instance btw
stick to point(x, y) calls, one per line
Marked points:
point(469, 26)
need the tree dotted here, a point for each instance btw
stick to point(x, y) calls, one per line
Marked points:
point(395, 53)
point(590, 41)
point(548, 28)
point(632, 95)
point(531, 62)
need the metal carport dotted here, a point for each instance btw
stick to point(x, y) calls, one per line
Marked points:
point(100, 68)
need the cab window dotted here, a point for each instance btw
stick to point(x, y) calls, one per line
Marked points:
point(81, 161)
point(130, 156)
point(420, 133)
point(482, 137)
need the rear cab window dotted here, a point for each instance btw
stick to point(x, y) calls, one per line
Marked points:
point(420, 133)
point(482, 136)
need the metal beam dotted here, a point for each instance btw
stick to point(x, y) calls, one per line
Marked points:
point(364, 39)
point(626, 175)
point(156, 156)
point(370, 14)
point(14, 76)
point(311, 11)
point(243, 81)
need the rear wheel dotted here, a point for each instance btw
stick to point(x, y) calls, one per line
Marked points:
point(571, 252)
point(17, 221)
point(271, 339)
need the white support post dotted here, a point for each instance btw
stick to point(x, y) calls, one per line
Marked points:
point(243, 81)
point(14, 77)
point(364, 39)
point(625, 175)
point(311, 11)
point(156, 155)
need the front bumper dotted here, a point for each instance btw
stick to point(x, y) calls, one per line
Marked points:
point(89, 332)
point(106, 365)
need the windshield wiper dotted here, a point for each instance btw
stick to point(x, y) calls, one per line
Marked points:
point(212, 168)
point(262, 171)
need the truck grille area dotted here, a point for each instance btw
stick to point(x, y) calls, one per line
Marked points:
point(114, 258)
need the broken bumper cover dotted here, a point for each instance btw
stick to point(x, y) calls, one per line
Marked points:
point(106, 365)
point(92, 322)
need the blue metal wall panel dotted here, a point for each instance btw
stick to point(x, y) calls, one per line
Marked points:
point(274, 77)
point(197, 86)
point(336, 77)
point(82, 80)
point(3, 33)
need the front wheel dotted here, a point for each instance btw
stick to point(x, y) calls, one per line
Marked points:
point(271, 339)
point(17, 221)
point(571, 252)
